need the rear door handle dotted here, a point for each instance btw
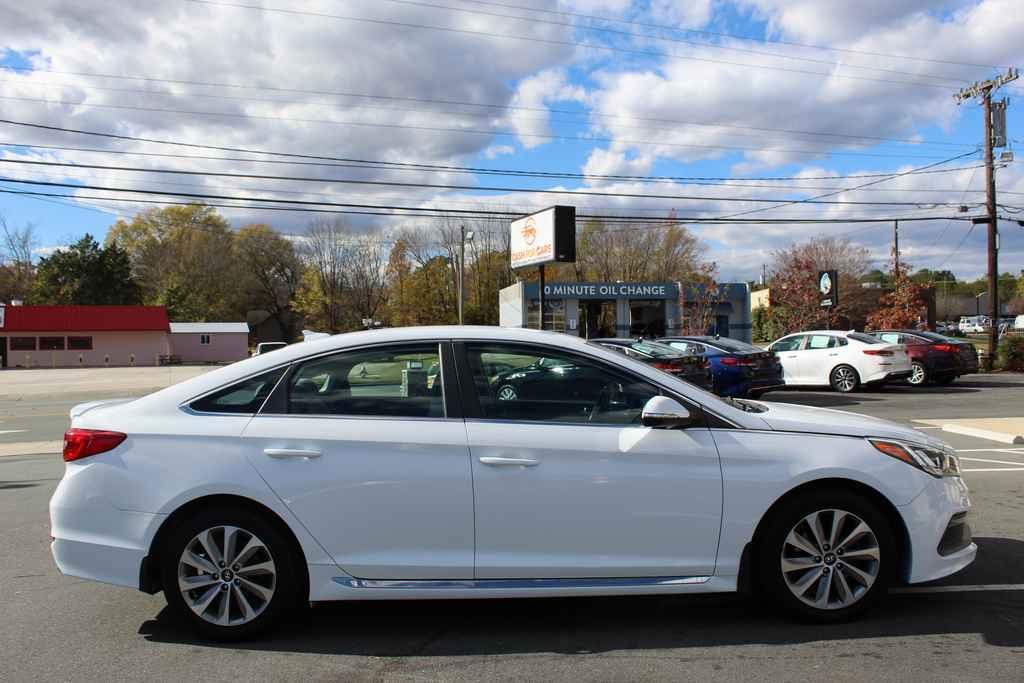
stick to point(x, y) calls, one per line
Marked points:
point(284, 453)
point(509, 462)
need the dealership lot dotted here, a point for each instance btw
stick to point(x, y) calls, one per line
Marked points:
point(968, 627)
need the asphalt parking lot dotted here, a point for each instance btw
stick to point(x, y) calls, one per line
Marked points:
point(967, 627)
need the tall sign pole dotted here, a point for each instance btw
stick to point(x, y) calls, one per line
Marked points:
point(984, 90)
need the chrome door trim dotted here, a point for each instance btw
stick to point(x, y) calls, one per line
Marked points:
point(487, 584)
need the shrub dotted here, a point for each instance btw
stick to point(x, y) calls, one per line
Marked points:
point(1011, 353)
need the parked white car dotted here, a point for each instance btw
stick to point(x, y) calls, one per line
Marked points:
point(974, 324)
point(842, 360)
point(331, 470)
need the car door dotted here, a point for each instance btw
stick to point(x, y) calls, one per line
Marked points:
point(571, 486)
point(370, 454)
point(787, 350)
point(820, 354)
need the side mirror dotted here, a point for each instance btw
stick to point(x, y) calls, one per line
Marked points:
point(662, 412)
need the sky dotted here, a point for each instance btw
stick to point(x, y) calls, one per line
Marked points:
point(812, 91)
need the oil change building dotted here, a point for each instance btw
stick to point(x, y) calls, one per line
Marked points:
point(626, 309)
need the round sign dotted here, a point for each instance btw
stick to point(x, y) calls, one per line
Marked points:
point(825, 284)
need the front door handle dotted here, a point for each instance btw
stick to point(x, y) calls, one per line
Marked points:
point(284, 453)
point(509, 462)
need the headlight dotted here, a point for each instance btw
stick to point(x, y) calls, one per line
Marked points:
point(938, 462)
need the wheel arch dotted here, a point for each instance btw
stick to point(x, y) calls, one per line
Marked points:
point(149, 572)
point(889, 510)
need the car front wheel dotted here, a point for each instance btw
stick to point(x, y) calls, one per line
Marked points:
point(827, 556)
point(230, 574)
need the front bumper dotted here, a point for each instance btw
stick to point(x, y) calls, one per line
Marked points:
point(936, 549)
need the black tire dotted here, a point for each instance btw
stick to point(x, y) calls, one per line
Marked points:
point(771, 546)
point(918, 374)
point(284, 583)
point(844, 379)
point(756, 393)
point(945, 380)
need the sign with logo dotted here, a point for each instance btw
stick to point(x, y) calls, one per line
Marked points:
point(543, 237)
point(828, 288)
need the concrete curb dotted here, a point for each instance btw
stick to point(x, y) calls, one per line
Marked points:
point(31, 448)
point(1012, 433)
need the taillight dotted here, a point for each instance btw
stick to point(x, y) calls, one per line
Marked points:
point(81, 443)
point(879, 352)
point(662, 365)
point(732, 360)
point(945, 348)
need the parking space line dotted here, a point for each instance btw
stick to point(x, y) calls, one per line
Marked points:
point(993, 469)
point(998, 462)
point(960, 589)
point(991, 450)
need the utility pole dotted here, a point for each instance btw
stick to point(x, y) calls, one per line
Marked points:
point(984, 90)
point(896, 246)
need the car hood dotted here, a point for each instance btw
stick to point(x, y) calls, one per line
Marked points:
point(788, 417)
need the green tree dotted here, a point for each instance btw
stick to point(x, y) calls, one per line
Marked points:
point(270, 275)
point(85, 273)
point(184, 258)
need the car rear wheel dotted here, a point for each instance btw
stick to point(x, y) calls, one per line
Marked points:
point(230, 574)
point(945, 380)
point(507, 393)
point(918, 374)
point(844, 379)
point(755, 393)
point(827, 556)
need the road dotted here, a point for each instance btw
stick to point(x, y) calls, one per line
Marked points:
point(968, 627)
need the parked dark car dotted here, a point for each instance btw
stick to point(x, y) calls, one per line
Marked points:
point(737, 368)
point(933, 357)
point(692, 368)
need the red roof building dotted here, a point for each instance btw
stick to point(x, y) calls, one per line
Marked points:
point(79, 336)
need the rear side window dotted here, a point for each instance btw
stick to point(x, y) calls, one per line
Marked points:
point(397, 381)
point(244, 397)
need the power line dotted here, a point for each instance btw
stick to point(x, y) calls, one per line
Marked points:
point(398, 165)
point(469, 188)
point(568, 43)
point(462, 131)
point(440, 213)
point(500, 107)
point(719, 34)
point(647, 36)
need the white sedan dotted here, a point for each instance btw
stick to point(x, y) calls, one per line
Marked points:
point(842, 360)
point(334, 470)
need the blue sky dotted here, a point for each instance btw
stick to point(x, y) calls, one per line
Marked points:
point(710, 88)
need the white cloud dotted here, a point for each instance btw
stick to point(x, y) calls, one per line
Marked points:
point(531, 119)
point(682, 13)
point(495, 151)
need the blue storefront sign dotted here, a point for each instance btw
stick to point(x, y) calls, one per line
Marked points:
point(605, 290)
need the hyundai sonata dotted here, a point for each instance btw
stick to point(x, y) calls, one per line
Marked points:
point(341, 469)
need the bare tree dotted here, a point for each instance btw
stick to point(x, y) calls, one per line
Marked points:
point(325, 249)
point(16, 269)
point(365, 274)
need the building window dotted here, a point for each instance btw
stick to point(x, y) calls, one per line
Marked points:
point(23, 343)
point(204, 339)
point(554, 314)
point(80, 343)
point(51, 343)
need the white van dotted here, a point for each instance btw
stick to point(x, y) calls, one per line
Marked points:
point(1018, 322)
point(972, 324)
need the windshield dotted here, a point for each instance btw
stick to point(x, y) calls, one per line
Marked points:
point(864, 338)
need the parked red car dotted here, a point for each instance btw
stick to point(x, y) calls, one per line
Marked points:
point(933, 357)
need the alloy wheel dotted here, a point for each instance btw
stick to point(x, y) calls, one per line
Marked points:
point(916, 374)
point(830, 559)
point(227, 575)
point(507, 393)
point(845, 379)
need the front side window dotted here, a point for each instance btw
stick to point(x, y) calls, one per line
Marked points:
point(788, 344)
point(397, 381)
point(244, 397)
point(532, 384)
